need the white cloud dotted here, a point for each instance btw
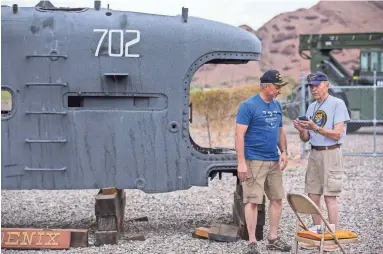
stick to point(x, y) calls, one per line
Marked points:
point(254, 13)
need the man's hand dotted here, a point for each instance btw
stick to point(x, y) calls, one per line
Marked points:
point(242, 171)
point(283, 161)
point(308, 125)
point(297, 125)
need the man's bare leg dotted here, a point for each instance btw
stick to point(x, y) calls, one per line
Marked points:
point(316, 218)
point(316, 198)
point(275, 212)
point(332, 209)
point(251, 213)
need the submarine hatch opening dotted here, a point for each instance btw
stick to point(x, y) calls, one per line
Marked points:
point(215, 93)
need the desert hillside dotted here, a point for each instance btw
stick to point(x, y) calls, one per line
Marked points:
point(280, 42)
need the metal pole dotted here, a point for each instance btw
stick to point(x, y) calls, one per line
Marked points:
point(303, 109)
point(374, 120)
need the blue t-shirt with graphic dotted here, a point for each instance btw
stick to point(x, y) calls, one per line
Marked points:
point(263, 121)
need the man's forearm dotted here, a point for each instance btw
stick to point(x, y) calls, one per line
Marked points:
point(304, 136)
point(239, 148)
point(282, 142)
point(333, 134)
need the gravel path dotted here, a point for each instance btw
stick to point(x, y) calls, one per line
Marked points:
point(174, 216)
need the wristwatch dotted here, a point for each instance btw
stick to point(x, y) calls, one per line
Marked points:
point(282, 151)
point(316, 129)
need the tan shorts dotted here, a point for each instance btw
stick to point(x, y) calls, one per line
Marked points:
point(262, 177)
point(324, 175)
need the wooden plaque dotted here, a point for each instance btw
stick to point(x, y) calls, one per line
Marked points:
point(30, 238)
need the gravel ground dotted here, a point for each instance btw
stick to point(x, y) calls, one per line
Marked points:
point(174, 216)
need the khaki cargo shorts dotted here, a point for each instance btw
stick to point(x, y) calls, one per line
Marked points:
point(324, 175)
point(262, 177)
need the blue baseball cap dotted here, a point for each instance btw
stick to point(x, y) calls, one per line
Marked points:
point(274, 77)
point(315, 78)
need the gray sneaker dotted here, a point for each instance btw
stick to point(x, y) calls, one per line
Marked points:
point(252, 248)
point(278, 244)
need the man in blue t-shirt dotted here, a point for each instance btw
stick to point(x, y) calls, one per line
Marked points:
point(259, 133)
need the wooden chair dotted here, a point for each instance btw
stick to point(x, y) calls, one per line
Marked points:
point(302, 204)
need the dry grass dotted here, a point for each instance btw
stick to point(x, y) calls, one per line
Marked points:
point(215, 101)
point(215, 110)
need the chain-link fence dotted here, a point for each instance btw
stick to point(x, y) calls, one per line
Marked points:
point(365, 107)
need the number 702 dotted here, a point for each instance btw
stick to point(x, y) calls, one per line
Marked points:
point(121, 51)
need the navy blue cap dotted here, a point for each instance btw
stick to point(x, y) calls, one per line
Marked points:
point(274, 77)
point(315, 78)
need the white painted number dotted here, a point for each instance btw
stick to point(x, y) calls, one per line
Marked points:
point(102, 38)
point(132, 42)
point(121, 46)
point(121, 43)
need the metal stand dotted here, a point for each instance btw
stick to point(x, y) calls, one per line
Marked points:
point(239, 215)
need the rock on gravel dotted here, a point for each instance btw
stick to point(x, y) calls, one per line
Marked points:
point(174, 216)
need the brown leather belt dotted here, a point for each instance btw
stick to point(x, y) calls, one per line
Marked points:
point(321, 148)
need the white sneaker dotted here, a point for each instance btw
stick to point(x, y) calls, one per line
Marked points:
point(317, 229)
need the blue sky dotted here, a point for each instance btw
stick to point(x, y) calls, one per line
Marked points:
point(254, 13)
